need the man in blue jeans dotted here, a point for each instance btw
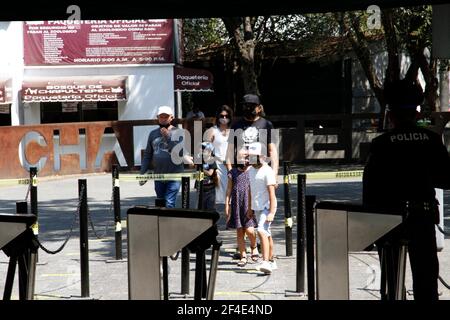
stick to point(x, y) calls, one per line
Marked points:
point(160, 144)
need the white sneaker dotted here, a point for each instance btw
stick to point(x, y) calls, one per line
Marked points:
point(273, 264)
point(265, 267)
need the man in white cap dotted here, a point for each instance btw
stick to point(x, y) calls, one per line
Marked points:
point(160, 144)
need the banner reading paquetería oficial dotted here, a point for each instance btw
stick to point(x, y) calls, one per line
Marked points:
point(71, 42)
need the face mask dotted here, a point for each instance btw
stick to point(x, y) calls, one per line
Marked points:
point(167, 125)
point(250, 112)
point(224, 121)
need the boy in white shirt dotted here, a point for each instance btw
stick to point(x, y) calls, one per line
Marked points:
point(263, 203)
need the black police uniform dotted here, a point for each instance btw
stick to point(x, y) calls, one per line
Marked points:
point(405, 165)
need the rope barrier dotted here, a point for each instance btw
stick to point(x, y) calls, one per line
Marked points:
point(76, 215)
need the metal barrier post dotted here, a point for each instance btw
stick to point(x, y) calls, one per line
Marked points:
point(185, 256)
point(200, 206)
point(160, 202)
point(310, 201)
point(84, 245)
point(117, 215)
point(34, 198)
point(301, 232)
point(287, 209)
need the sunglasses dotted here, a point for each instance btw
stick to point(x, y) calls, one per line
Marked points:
point(223, 116)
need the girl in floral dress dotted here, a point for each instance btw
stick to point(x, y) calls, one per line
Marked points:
point(236, 207)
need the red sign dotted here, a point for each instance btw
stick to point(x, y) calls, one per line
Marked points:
point(187, 79)
point(69, 42)
point(74, 89)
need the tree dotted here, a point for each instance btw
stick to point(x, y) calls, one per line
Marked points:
point(405, 30)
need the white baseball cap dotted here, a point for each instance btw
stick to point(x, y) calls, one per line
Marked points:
point(165, 109)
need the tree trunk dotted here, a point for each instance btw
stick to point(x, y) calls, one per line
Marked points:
point(241, 31)
point(443, 85)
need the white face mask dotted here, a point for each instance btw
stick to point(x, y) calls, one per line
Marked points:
point(224, 120)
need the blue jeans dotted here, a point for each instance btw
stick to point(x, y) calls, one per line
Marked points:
point(167, 190)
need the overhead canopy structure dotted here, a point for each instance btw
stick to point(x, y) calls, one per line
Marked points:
point(104, 9)
point(67, 89)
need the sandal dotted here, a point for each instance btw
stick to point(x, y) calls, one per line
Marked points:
point(242, 262)
point(254, 255)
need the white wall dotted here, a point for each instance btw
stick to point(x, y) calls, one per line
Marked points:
point(11, 63)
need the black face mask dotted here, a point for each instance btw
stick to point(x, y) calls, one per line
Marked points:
point(164, 125)
point(250, 112)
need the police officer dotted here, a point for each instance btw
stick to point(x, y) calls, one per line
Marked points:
point(404, 166)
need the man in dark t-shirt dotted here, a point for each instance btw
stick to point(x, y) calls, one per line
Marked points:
point(252, 127)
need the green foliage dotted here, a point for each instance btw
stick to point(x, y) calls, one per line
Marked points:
point(202, 33)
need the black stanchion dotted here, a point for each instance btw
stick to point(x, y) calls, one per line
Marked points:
point(310, 201)
point(23, 260)
point(160, 202)
point(287, 209)
point(200, 188)
point(301, 238)
point(185, 256)
point(84, 245)
point(200, 206)
point(34, 198)
point(200, 275)
point(117, 215)
point(301, 232)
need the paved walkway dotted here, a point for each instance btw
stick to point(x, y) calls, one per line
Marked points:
point(58, 276)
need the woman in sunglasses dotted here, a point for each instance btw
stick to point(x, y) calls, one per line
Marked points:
point(218, 136)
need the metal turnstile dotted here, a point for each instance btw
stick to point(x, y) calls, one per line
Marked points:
point(17, 242)
point(339, 229)
point(154, 233)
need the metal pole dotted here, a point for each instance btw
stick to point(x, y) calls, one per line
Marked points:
point(287, 209)
point(84, 245)
point(34, 198)
point(32, 259)
point(200, 206)
point(301, 232)
point(185, 186)
point(400, 292)
point(213, 270)
point(117, 215)
point(199, 277)
point(310, 200)
point(161, 202)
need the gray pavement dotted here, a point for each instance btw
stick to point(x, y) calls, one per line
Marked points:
point(58, 276)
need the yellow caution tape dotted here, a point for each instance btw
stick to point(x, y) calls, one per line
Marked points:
point(118, 226)
point(34, 182)
point(10, 182)
point(335, 175)
point(161, 176)
point(35, 228)
point(289, 222)
point(116, 182)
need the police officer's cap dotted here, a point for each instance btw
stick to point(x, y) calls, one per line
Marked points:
point(403, 94)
